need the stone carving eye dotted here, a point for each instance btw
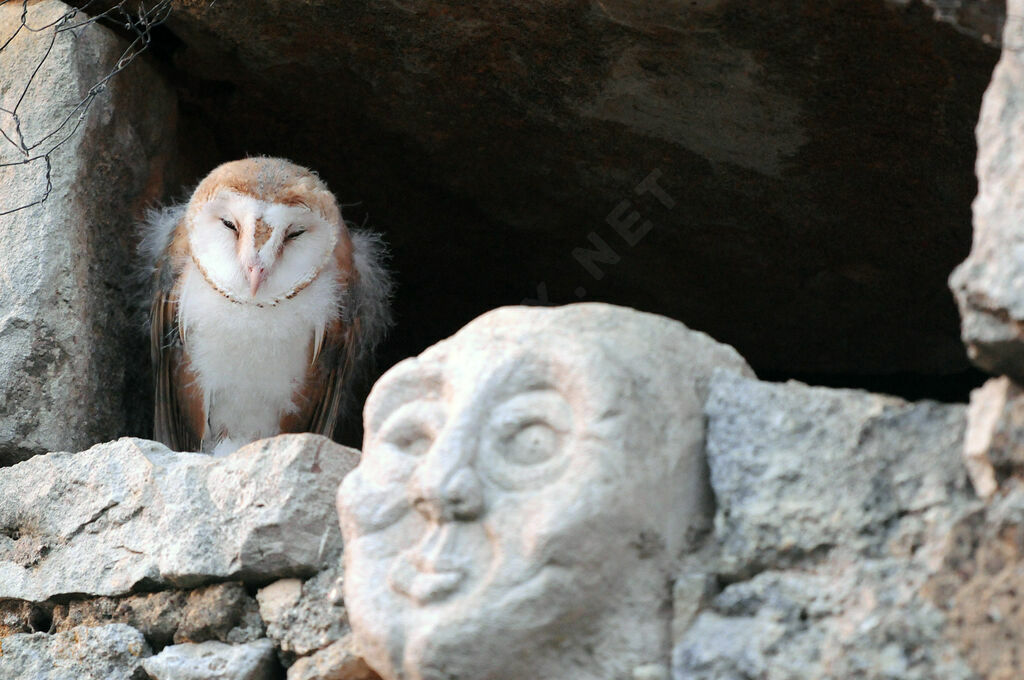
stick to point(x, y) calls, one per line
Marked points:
point(404, 436)
point(412, 428)
point(531, 443)
point(525, 440)
point(411, 437)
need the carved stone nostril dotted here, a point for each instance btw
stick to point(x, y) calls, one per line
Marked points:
point(458, 497)
point(464, 495)
point(425, 508)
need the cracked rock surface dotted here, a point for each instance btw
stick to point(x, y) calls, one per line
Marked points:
point(113, 652)
point(65, 328)
point(799, 470)
point(835, 513)
point(132, 514)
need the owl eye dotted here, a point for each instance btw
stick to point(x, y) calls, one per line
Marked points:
point(229, 224)
point(295, 234)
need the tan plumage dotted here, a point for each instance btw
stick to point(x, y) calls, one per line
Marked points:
point(264, 306)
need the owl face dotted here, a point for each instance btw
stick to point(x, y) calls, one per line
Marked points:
point(259, 251)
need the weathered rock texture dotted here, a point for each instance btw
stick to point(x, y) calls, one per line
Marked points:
point(525, 487)
point(304, 617)
point(113, 652)
point(815, 158)
point(987, 284)
point(214, 661)
point(845, 542)
point(994, 445)
point(776, 453)
point(340, 661)
point(66, 337)
point(224, 612)
point(836, 510)
point(133, 514)
point(979, 586)
point(81, 534)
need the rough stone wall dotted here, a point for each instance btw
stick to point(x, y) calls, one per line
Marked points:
point(129, 556)
point(67, 333)
point(835, 511)
point(847, 542)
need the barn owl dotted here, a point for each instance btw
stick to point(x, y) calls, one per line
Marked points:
point(264, 303)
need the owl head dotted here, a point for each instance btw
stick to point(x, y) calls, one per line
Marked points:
point(261, 229)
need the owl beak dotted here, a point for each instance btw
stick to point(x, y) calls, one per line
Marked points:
point(256, 275)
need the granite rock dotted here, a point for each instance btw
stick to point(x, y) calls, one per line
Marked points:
point(848, 618)
point(836, 511)
point(799, 470)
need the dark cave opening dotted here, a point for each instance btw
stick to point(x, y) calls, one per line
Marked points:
point(798, 190)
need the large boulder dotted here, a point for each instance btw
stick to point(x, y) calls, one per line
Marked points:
point(837, 511)
point(132, 514)
point(798, 470)
point(65, 291)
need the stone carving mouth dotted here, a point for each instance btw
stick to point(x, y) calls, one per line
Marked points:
point(431, 570)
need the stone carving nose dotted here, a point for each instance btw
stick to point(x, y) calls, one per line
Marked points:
point(447, 497)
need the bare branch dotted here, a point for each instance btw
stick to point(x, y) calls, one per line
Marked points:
point(139, 25)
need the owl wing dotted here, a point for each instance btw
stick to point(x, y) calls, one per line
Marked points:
point(334, 370)
point(344, 355)
point(165, 350)
point(178, 418)
point(178, 410)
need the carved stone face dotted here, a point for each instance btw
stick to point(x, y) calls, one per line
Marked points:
point(510, 502)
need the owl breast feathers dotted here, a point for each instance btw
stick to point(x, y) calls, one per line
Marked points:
point(264, 306)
